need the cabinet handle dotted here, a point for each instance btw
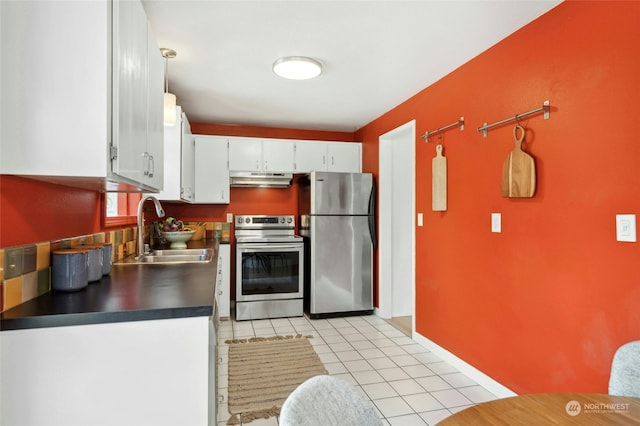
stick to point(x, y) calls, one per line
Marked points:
point(324, 160)
point(257, 164)
point(222, 194)
point(145, 156)
point(152, 166)
point(266, 165)
point(333, 160)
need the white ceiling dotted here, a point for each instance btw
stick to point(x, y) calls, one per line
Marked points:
point(376, 54)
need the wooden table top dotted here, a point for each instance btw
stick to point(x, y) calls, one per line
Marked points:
point(551, 409)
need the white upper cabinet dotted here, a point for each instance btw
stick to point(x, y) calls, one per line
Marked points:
point(187, 169)
point(261, 155)
point(310, 156)
point(344, 157)
point(155, 115)
point(211, 170)
point(328, 156)
point(245, 154)
point(278, 155)
point(130, 80)
point(72, 72)
point(178, 160)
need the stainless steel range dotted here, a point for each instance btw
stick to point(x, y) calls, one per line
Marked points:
point(269, 267)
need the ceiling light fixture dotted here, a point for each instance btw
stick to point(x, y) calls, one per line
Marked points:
point(297, 68)
point(169, 98)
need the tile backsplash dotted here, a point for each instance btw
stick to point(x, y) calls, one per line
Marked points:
point(25, 271)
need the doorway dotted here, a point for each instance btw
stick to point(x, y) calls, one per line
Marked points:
point(396, 265)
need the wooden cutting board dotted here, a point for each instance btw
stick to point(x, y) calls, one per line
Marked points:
point(518, 170)
point(439, 181)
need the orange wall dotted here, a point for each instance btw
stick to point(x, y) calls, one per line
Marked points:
point(269, 132)
point(543, 305)
point(32, 211)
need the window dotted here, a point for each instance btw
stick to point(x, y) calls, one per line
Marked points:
point(120, 208)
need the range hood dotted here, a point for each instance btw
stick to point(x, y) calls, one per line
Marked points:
point(258, 179)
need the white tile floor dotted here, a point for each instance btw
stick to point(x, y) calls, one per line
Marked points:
point(408, 384)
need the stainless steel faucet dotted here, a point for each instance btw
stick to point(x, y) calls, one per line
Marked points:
point(159, 212)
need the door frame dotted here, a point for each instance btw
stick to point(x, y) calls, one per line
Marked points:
point(402, 137)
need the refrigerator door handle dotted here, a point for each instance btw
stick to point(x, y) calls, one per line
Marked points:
point(372, 215)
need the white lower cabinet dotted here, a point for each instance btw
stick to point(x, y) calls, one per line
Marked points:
point(211, 170)
point(157, 372)
point(223, 281)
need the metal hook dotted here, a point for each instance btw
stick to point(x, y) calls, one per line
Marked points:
point(517, 120)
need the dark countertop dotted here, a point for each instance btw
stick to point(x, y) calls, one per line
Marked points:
point(129, 293)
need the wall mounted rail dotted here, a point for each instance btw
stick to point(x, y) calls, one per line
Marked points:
point(545, 108)
point(460, 123)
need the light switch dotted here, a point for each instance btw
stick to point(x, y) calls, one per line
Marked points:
point(626, 227)
point(420, 219)
point(496, 222)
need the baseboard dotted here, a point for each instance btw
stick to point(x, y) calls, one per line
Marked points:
point(478, 376)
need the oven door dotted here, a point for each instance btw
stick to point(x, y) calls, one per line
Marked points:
point(269, 271)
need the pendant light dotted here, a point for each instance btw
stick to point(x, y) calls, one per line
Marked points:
point(297, 68)
point(169, 98)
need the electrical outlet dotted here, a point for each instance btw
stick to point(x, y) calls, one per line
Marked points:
point(420, 219)
point(626, 227)
point(229, 217)
point(496, 222)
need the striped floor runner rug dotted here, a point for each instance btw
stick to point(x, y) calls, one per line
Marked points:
point(264, 371)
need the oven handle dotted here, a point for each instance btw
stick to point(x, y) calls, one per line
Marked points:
point(269, 246)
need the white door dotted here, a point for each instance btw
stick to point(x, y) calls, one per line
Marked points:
point(396, 266)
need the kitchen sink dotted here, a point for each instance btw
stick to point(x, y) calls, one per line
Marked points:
point(170, 257)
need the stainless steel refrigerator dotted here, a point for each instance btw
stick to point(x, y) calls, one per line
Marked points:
point(338, 225)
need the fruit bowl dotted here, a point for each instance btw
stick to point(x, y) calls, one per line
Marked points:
point(178, 239)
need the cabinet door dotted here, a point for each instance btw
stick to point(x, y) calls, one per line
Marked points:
point(130, 79)
point(278, 155)
point(344, 157)
point(172, 160)
point(211, 170)
point(245, 154)
point(310, 156)
point(155, 114)
point(223, 281)
point(187, 167)
point(55, 103)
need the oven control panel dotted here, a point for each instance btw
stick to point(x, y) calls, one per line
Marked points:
point(265, 222)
